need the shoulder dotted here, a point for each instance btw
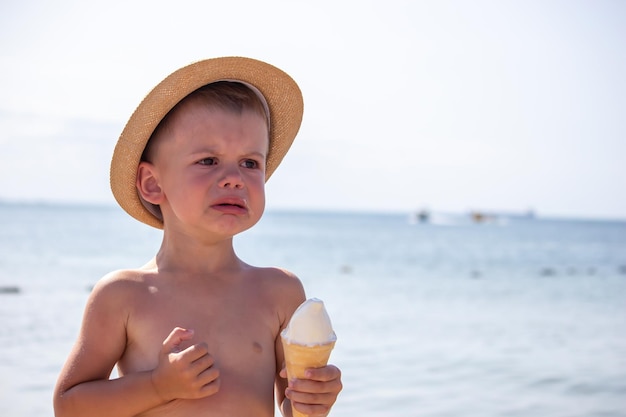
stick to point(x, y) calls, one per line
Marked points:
point(118, 287)
point(103, 338)
point(123, 279)
point(283, 288)
point(279, 280)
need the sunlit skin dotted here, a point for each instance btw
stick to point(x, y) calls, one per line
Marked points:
point(209, 179)
point(195, 332)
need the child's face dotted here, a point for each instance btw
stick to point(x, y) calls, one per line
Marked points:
point(210, 166)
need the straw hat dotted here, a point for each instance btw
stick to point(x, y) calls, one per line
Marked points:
point(280, 91)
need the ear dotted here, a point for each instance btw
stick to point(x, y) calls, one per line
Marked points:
point(148, 183)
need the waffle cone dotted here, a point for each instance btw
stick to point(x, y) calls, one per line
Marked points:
point(299, 358)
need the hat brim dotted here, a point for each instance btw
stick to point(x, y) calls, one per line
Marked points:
point(280, 91)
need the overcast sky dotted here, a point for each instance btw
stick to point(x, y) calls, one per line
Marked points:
point(450, 105)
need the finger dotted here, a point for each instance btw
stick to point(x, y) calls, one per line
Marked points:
point(175, 338)
point(310, 398)
point(209, 375)
point(211, 387)
point(283, 372)
point(324, 374)
point(309, 386)
point(312, 410)
point(311, 404)
point(195, 352)
point(199, 357)
point(205, 385)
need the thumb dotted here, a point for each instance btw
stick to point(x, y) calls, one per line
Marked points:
point(283, 371)
point(172, 343)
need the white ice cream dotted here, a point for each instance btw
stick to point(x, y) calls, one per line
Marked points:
point(310, 325)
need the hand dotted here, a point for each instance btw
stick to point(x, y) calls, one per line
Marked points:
point(315, 395)
point(186, 374)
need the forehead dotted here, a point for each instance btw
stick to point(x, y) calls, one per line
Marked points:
point(227, 97)
point(232, 96)
point(199, 124)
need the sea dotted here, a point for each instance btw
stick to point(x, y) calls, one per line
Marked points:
point(520, 317)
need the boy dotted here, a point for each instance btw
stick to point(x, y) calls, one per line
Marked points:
point(195, 332)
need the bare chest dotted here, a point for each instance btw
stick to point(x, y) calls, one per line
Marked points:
point(240, 329)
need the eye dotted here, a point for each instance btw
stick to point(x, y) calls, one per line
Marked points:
point(208, 161)
point(250, 163)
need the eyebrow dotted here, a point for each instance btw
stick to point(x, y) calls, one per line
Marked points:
point(258, 154)
point(212, 151)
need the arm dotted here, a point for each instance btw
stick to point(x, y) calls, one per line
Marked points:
point(281, 383)
point(288, 296)
point(84, 387)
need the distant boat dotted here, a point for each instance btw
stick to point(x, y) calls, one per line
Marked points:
point(480, 217)
point(499, 218)
point(435, 218)
point(425, 216)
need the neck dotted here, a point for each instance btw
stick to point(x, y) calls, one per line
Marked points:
point(187, 256)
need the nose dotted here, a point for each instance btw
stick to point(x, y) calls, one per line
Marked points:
point(231, 178)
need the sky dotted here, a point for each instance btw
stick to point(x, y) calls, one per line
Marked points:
point(451, 106)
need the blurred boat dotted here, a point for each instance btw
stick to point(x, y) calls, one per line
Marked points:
point(425, 216)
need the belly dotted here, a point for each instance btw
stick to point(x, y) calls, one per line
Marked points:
point(229, 401)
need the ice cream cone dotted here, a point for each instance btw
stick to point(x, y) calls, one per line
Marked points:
point(299, 358)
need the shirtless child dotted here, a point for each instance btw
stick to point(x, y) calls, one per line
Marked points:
point(195, 332)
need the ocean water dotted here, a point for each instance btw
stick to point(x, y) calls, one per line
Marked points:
point(523, 319)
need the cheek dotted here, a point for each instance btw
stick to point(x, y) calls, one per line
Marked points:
point(260, 209)
point(257, 188)
point(182, 183)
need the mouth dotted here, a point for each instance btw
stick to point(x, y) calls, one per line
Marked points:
point(238, 203)
point(231, 204)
